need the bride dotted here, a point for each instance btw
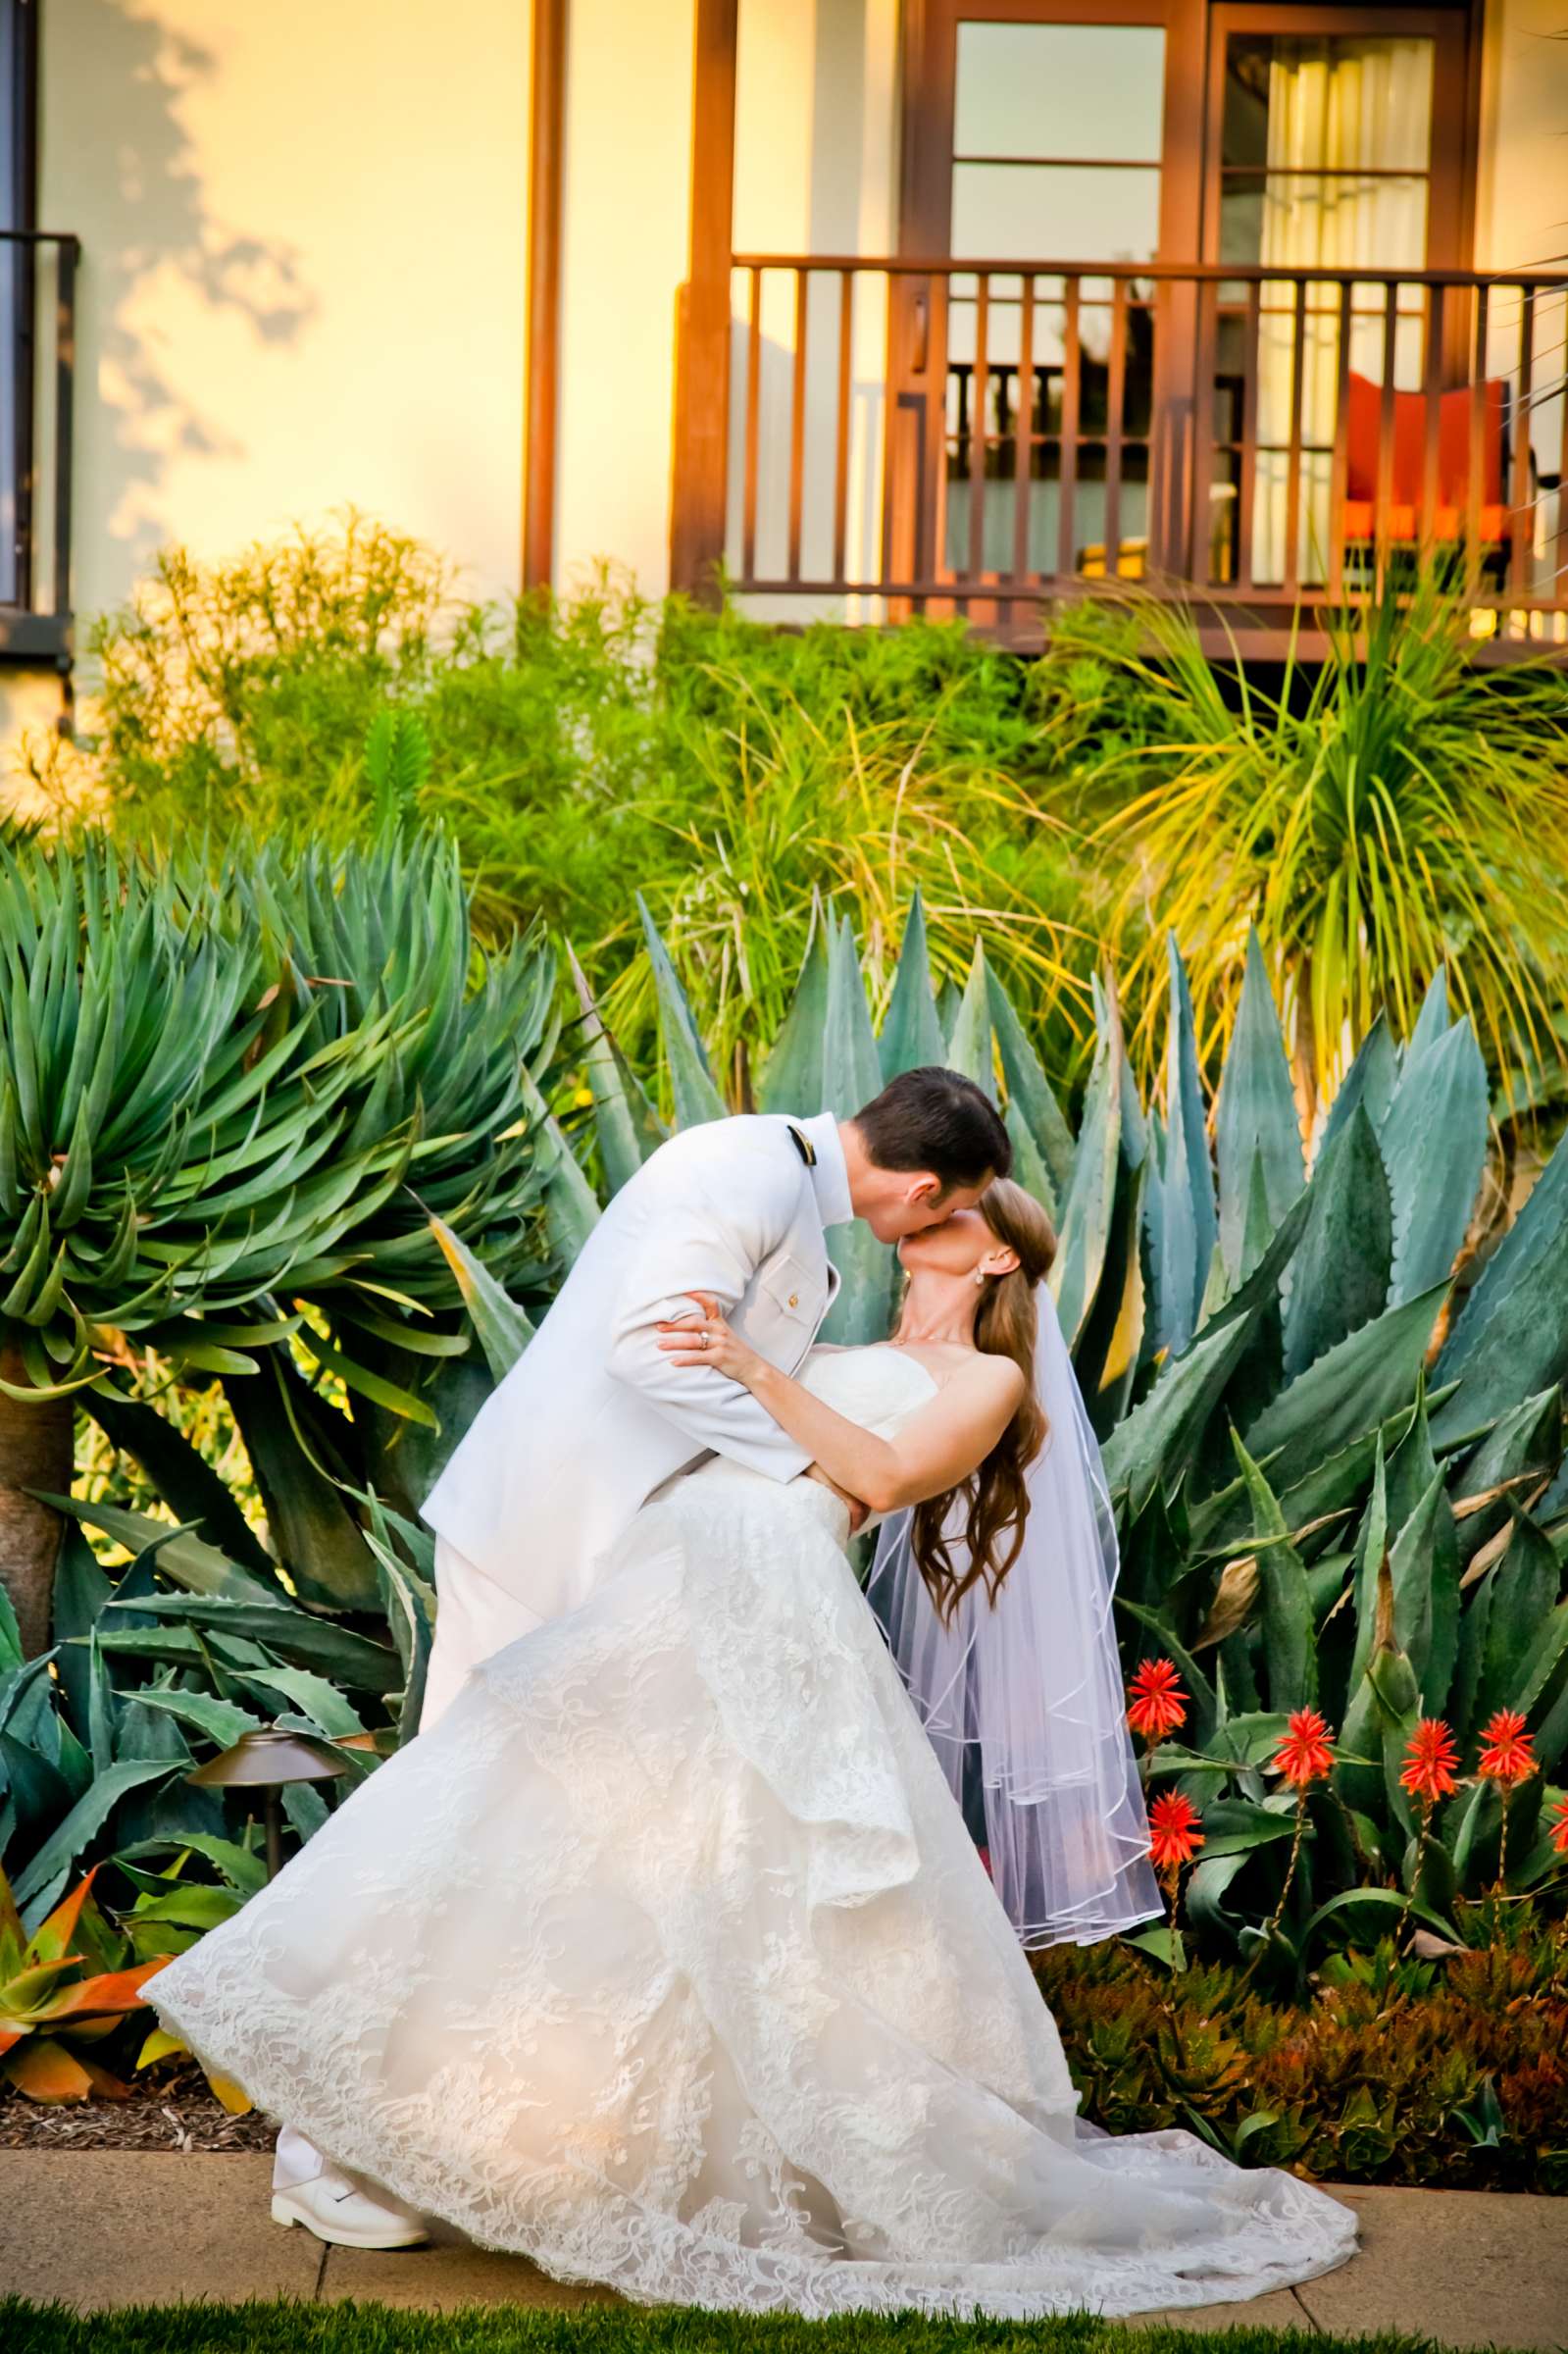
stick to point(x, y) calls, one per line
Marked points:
point(665, 1957)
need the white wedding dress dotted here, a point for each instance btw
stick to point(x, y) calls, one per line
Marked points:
point(664, 1959)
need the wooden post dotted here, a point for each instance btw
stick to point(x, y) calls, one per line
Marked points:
point(547, 104)
point(702, 333)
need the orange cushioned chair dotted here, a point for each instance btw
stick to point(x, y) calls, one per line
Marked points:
point(1450, 521)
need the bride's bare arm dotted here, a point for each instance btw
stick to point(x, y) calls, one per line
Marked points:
point(934, 1450)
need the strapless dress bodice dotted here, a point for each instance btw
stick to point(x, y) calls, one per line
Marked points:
point(880, 1387)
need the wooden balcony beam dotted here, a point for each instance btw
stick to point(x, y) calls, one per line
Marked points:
point(702, 331)
point(546, 146)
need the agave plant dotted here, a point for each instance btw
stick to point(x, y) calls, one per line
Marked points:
point(229, 1112)
point(1339, 1494)
point(1338, 1474)
point(1338, 1479)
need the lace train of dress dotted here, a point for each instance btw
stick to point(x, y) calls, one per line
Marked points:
point(664, 1959)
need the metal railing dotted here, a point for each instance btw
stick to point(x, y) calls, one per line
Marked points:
point(980, 436)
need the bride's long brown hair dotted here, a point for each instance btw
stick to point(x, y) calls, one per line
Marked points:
point(995, 1494)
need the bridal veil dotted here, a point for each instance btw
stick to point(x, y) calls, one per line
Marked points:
point(1022, 1700)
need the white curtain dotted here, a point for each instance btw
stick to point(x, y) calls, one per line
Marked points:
point(1334, 104)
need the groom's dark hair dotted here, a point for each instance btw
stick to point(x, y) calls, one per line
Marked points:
point(936, 1119)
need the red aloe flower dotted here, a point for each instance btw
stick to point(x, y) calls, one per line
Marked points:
point(1306, 1753)
point(1431, 1760)
point(1159, 1702)
point(1173, 1833)
point(1557, 1829)
point(1505, 1752)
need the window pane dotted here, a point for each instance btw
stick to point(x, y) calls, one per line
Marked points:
point(1063, 91)
point(1055, 213)
point(1295, 102)
point(1333, 220)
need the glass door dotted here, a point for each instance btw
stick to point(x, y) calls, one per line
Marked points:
point(1336, 144)
point(1023, 399)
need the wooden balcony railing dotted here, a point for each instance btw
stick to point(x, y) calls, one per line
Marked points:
point(984, 437)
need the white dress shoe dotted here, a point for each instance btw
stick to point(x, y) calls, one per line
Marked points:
point(330, 2205)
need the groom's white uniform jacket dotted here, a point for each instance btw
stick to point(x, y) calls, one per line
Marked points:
point(593, 1416)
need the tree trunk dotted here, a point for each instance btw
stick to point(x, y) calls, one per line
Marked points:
point(35, 1452)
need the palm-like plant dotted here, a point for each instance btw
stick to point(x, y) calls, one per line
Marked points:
point(1400, 813)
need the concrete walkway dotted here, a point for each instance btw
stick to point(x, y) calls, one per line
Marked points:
point(102, 2227)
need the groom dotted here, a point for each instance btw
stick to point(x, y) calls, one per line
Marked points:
point(594, 1416)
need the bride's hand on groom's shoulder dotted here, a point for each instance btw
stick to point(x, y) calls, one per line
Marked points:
point(705, 1338)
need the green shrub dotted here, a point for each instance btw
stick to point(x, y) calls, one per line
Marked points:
point(583, 750)
point(1389, 820)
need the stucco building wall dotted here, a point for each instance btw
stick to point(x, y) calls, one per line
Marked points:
point(303, 274)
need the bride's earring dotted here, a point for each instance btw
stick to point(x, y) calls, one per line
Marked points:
point(979, 1275)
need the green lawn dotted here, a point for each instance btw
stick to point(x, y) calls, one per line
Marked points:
point(289, 2326)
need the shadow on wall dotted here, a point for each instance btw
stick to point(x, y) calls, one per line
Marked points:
point(126, 174)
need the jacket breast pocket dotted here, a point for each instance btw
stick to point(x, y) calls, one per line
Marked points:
point(791, 1294)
